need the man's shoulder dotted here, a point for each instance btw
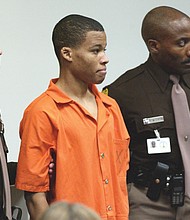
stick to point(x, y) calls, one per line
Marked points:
point(38, 101)
point(107, 99)
point(126, 81)
point(128, 76)
point(40, 105)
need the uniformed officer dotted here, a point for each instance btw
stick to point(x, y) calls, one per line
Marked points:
point(155, 179)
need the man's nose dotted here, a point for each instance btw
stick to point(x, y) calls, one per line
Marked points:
point(105, 59)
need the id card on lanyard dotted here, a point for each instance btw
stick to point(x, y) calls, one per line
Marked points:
point(158, 145)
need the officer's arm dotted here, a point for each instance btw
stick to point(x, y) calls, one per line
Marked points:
point(36, 204)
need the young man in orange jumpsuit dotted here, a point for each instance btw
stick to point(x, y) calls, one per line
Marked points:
point(82, 126)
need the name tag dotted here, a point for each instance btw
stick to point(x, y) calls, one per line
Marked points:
point(152, 120)
point(158, 145)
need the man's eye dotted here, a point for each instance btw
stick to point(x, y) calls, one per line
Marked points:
point(96, 51)
point(182, 43)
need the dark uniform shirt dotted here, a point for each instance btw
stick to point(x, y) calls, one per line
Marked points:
point(145, 92)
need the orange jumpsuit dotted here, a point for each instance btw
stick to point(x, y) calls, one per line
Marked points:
point(92, 156)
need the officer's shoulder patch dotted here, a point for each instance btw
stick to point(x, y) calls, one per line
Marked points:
point(105, 91)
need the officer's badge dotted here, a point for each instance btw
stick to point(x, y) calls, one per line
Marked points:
point(105, 91)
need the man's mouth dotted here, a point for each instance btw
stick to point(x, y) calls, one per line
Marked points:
point(103, 71)
point(186, 62)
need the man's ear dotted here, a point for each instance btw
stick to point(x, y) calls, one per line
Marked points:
point(66, 53)
point(153, 45)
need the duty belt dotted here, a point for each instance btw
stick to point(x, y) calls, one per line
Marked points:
point(158, 180)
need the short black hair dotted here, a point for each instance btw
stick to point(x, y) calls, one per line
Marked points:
point(71, 31)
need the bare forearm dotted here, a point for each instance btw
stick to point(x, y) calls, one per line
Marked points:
point(36, 204)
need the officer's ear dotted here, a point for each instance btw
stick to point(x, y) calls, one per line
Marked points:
point(66, 53)
point(153, 45)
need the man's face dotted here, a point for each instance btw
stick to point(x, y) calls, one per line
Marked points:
point(174, 48)
point(89, 59)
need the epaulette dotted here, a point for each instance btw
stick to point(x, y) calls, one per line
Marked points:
point(105, 90)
